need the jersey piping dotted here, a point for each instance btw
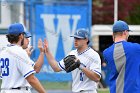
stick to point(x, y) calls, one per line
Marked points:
point(29, 73)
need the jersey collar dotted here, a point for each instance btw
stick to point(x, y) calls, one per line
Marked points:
point(120, 41)
point(83, 51)
point(10, 45)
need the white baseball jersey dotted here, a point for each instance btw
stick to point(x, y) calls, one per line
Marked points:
point(15, 67)
point(91, 60)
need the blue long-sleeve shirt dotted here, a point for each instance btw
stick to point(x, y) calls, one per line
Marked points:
point(123, 60)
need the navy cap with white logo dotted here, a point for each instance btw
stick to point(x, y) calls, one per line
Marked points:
point(81, 34)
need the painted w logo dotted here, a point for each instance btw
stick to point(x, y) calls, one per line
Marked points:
point(60, 24)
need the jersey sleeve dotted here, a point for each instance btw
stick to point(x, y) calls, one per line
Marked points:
point(96, 64)
point(61, 65)
point(32, 63)
point(104, 56)
point(24, 65)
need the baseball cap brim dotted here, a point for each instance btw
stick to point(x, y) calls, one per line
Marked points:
point(27, 34)
point(75, 36)
point(129, 30)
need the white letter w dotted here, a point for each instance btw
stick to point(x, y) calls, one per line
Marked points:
point(56, 24)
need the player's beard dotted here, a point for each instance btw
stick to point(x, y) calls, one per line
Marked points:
point(22, 42)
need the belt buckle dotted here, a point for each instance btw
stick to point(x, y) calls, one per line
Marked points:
point(81, 90)
point(26, 88)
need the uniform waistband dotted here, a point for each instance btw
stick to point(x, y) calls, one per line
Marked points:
point(18, 88)
point(86, 90)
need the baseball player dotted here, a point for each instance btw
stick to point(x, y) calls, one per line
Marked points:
point(86, 70)
point(17, 74)
point(123, 60)
point(38, 64)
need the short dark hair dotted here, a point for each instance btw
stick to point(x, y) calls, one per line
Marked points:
point(13, 38)
point(88, 42)
point(118, 33)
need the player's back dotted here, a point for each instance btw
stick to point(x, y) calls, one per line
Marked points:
point(12, 61)
point(123, 60)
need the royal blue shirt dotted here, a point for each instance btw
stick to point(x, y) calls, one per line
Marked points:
point(123, 62)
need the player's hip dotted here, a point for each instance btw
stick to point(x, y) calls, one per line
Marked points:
point(16, 90)
point(86, 91)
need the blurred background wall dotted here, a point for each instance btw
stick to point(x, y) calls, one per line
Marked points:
point(57, 19)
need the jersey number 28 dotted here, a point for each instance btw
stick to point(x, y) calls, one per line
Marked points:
point(4, 63)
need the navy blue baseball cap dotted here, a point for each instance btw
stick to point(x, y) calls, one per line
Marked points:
point(120, 26)
point(16, 29)
point(27, 34)
point(81, 34)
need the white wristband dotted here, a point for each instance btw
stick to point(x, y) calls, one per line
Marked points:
point(81, 66)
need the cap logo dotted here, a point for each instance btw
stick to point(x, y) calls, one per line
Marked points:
point(86, 35)
point(81, 33)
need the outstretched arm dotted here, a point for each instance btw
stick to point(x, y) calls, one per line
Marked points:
point(40, 60)
point(34, 82)
point(53, 63)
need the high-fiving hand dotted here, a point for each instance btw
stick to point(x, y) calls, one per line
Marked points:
point(46, 46)
point(40, 45)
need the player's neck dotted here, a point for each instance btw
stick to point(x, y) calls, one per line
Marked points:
point(18, 43)
point(81, 49)
point(119, 39)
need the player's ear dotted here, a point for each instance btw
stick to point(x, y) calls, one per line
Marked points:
point(113, 37)
point(21, 36)
point(87, 40)
point(125, 32)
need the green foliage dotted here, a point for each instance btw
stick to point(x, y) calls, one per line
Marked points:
point(103, 11)
point(134, 15)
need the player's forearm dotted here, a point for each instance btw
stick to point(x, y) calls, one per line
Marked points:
point(53, 63)
point(38, 86)
point(34, 82)
point(90, 74)
point(39, 62)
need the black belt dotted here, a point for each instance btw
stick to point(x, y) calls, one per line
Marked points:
point(19, 88)
point(85, 90)
point(82, 90)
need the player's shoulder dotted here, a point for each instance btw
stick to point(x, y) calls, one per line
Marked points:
point(132, 44)
point(91, 51)
point(132, 47)
point(72, 52)
point(108, 49)
point(17, 49)
point(93, 54)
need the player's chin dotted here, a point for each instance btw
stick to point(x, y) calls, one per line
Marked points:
point(24, 47)
point(76, 46)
